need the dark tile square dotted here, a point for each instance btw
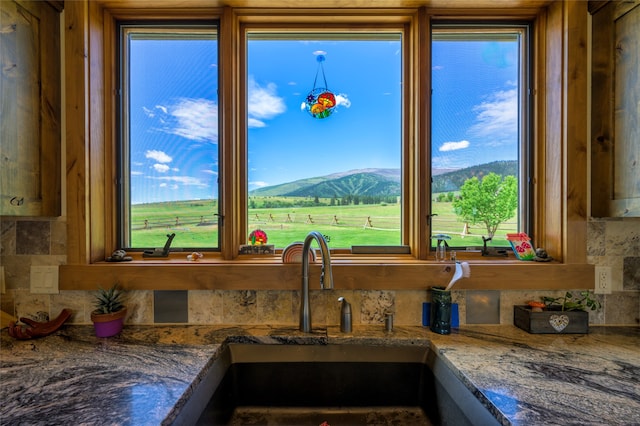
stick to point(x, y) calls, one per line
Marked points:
point(483, 307)
point(631, 273)
point(170, 306)
point(33, 237)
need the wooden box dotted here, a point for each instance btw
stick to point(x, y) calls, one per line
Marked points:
point(257, 249)
point(550, 321)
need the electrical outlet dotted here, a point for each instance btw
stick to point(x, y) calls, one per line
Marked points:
point(44, 279)
point(603, 280)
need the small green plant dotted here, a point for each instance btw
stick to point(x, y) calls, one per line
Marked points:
point(570, 303)
point(108, 301)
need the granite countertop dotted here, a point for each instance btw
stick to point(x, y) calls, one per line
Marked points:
point(144, 376)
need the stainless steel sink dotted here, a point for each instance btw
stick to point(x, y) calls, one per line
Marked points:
point(337, 384)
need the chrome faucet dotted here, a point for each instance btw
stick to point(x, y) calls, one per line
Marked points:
point(326, 277)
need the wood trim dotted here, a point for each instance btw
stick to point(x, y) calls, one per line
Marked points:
point(595, 5)
point(76, 93)
point(231, 203)
point(420, 148)
point(50, 115)
point(624, 7)
point(58, 5)
point(98, 101)
point(110, 94)
point(551, 155)
point(602, 131)
point(88, 162)
point(376, 275)
point(575, 74)
point(540, 125)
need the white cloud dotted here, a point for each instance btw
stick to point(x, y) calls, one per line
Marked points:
point(183, 180)
point(162, 168)
point(210, 172)
point(255, 123)
point(258, 184)
point(195, 119)
point(497, 116)
point(263, 103)
point(454, 146)
point(343, 100)
point(159, 156)
point(135, 173)
point(437, 67)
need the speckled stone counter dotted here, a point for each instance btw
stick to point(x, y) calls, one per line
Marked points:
point(144, 376)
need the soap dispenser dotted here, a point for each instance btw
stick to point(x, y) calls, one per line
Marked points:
point(345, 315)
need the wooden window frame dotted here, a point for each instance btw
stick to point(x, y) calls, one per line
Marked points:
point(560, 169)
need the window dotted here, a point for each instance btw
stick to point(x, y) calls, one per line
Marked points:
point(558, 183)
point(479, 138)
point(334, 166)
point(340, 172)
point(169, 135)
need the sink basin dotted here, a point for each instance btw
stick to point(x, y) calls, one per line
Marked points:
point(337, 384)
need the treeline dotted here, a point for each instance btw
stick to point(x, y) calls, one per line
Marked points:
point(347, 200)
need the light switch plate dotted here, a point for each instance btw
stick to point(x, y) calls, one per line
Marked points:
point(44, 279)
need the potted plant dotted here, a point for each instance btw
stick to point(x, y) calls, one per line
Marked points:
point(564, 314)
point(109, 313)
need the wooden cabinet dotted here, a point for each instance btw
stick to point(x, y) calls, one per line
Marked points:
point(615, 112)
point(30, 108)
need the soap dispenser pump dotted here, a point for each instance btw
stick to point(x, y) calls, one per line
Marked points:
point(345, 315)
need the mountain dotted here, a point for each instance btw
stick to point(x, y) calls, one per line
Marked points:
point(374, 182)
point(452, 181)
point(378, 182)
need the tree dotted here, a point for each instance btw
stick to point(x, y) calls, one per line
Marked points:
point(489, 201)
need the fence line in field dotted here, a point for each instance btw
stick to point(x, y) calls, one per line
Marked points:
point(369, 222)
point(377, 223)
point(170, 222)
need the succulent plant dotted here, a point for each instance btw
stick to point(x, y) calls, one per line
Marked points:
point(108, 301)
point(569, 302)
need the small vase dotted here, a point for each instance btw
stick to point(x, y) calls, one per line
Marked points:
point(440, 310)
point(107, 325)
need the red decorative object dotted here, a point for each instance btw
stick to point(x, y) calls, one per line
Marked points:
point(521, 245)
point(258, 237)
point(35, 329)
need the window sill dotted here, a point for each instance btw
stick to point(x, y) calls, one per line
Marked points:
point(361, 273)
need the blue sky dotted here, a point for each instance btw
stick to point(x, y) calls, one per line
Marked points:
point(174, 109)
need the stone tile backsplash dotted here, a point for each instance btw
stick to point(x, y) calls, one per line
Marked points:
point(23, 243)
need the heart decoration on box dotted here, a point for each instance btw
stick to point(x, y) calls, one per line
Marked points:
point(559, 322)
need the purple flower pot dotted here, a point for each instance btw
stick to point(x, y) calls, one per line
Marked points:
point(107, 325)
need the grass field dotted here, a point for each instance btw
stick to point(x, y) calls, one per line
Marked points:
point(196, 226)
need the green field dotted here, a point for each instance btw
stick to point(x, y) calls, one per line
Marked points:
point(196, 226)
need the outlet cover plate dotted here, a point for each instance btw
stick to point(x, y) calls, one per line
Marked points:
point(44, 280)
point(603, 280)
